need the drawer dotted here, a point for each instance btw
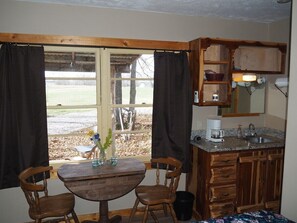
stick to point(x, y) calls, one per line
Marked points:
point(223, 174)
point(221, 209)
point(220, 193)
point(223, 159)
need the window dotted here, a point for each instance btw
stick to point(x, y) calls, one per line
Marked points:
point(91, 88)
point(131, 89)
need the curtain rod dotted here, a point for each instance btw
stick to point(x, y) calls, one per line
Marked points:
point(104, 47)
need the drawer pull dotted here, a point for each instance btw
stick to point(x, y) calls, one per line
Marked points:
point(226, 194)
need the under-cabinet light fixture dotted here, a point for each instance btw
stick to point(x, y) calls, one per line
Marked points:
point(249, 77)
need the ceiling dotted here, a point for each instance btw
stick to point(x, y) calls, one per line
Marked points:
point(265, 11)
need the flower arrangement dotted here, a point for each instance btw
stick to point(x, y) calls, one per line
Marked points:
point(100, 156)
point(95, 137)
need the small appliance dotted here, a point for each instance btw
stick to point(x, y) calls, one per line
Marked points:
point(214, 133)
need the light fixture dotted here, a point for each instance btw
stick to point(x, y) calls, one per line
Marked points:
point(282, 83)
point(249, 77)
point(237, 77)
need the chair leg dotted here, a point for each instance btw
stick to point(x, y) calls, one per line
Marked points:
point(172, 212)
point(74, 216)
point(154, 216)
point(145, 214)
point(133, 210)
point(165, 209)
point(66, 219)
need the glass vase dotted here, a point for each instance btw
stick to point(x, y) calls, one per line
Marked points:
point(102, 157)
point(95, 160)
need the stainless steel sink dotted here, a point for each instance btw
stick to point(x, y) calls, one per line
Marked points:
point(259, 139)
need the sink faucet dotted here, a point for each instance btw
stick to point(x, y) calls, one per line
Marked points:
point(252, 130)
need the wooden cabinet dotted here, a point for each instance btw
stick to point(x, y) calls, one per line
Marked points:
point(251, 174)
point(230, 57)
point(225, 183)
point(213, 182)
point(275, 163)
point(259, 176)
point(207, 54)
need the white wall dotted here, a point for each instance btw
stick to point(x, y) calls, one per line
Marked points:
point(32, 18)
point(289, 195)
point(276, 103)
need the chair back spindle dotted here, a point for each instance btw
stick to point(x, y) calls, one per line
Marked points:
point(159, 195)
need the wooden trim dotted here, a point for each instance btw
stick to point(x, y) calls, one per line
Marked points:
point(92, 41)
point(238, 42)
point(240, 114)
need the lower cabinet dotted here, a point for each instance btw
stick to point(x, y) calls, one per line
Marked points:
point(225, 183)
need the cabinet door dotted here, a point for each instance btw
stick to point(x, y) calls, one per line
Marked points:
point(251, 179)
point(275, 162)
point(259, 59)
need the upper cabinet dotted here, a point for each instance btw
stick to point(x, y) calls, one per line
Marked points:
point(213, 61)
point(259, 57)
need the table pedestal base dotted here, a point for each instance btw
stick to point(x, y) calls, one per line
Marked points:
point(103, 215)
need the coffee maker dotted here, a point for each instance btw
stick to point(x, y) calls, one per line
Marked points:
point(214, 133)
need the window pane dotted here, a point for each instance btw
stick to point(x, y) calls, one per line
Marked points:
point(69, 61)
point(132, 92)
point(132, 118)
point(133, 144)
point(70, 92)
point(63, 147)
point(132, 65)
point(132, 82)
point(71, 121)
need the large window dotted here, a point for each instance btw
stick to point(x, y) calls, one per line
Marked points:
point(90, 88)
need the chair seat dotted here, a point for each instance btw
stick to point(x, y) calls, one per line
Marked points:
point(54, 206)
point(153, 195)
point(161, 195)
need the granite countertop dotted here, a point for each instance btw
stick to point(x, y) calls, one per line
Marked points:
point(232, 143)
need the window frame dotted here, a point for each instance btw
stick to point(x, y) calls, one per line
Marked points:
point(106, 89)
point(103, 94)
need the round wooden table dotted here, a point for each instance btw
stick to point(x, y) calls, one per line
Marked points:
point(102, 183)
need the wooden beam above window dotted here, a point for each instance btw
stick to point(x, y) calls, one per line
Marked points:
point(92, 41)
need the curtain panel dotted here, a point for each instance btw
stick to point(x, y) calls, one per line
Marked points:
point(172, 107)
point(23, 125)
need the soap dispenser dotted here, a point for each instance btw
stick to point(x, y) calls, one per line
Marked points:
point(239, 132)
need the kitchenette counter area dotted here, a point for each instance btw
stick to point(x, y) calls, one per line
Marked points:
point(232, 143)
point(238, 174)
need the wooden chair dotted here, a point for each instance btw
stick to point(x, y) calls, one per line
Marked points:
point(33, 182)
point(159, 196)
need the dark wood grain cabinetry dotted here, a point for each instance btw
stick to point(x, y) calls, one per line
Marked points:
point(213, 181)
point(230, 57)
point(225, 183)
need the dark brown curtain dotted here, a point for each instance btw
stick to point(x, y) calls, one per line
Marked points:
point(23, 126)
point(172, 109)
